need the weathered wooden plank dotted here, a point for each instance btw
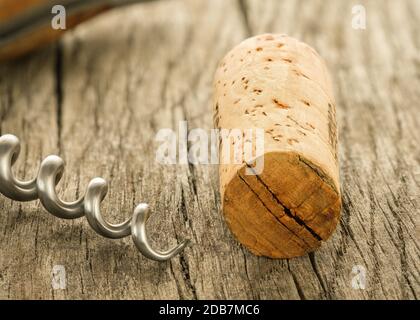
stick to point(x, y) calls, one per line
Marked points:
point(29, 110)
point(100, 97)
point(376, 76)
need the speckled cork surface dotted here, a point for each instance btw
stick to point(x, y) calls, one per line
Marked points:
point(281, 85)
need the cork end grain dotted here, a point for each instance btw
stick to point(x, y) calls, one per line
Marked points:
point(277, 215)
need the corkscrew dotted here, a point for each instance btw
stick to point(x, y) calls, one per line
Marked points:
point(25, 25)
point(43, 187)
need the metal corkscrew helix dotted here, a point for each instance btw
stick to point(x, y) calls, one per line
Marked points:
point(42, 187)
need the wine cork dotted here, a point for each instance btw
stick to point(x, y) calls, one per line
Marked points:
point(280, 85)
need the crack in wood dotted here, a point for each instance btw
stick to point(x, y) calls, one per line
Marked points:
point(58, 74)
point(243, 10)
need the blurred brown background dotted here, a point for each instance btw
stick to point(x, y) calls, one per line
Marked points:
point(98, 97)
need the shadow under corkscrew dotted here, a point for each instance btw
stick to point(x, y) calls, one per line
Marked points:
point(42, 187)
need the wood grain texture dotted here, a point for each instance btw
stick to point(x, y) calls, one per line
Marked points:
point(99, 97)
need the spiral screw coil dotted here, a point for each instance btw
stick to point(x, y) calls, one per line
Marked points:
point(43, 187)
